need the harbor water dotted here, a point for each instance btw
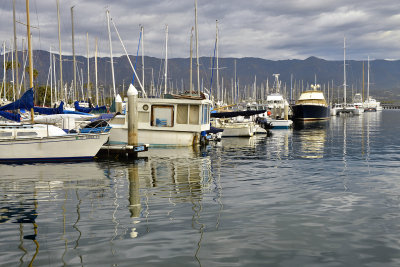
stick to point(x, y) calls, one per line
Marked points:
point(321, 194)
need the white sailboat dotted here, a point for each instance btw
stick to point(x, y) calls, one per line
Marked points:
point(37, 142)
point(370, 104)
point(343, 108)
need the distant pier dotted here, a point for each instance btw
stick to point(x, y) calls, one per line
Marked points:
point(391, 106)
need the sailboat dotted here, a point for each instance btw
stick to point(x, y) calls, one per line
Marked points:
point(344, 108)
point(38, 142)
point(370, 104)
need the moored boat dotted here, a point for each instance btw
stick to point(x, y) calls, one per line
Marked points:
point(39, 142)
point(311, 105)
point(165, 122)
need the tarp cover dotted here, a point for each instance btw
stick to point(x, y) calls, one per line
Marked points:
point(10, 116)
point(88, 110)
point(50, 111)
point(26, 101)
point(236, 113)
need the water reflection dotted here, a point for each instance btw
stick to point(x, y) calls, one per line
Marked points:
point(312, 136)
point(279, 144)
point(70, 208)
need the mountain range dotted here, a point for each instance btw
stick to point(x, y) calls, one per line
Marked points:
point(384, 74)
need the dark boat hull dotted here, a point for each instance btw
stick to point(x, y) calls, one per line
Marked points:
point(310, 112)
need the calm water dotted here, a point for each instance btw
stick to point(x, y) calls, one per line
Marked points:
point(323, 194)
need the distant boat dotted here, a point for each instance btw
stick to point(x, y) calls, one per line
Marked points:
point(358, 104)
point(311, 105)
point(344, 108)
point(370, 104)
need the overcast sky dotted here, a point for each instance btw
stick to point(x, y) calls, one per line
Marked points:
point(285, 29)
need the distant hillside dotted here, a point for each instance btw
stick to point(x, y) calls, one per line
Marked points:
point(384, 75)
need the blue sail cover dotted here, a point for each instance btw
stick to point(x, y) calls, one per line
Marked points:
point(50, 111)
point(10, 116)
point(88, 110)
point(26, 102)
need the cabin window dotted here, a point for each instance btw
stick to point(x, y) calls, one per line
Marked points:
point(6, 134)
point(205, 115)
point(182, 114)
point(144, 117)
point(194, 114)
point(162, 116)
point(27, 134)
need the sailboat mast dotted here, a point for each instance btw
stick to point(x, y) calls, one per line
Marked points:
point(234, 95)
point(4, 69)
point(368, 81)
point(55, 81)
point(12, 72)
point(197, 48)
point(142, 29)
point(28, 32)
point(191, 63)
point(166, 59)
point(111, 56)
point(95, 71)
point(344, 70)
point(218, 88)
point(363, 84)
point(73, 47)
point(15, 49)
point(88, 87)
point(51, 79)
point(59, 47)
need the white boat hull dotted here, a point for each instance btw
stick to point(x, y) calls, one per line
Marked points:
point(53, 148)
point(238, 130)
point(281, 124)
point(155, 138)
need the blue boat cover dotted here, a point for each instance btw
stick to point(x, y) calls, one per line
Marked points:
point(50, 111)
point(10, 116)
point(26, 101)
point(107, 116)
point(88, 110)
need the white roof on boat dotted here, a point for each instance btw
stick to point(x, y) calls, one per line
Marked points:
point(307, 95)
point(274, 96)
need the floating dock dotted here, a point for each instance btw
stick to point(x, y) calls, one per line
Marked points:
point(127, 151)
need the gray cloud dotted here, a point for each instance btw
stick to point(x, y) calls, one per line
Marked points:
point(285, 29)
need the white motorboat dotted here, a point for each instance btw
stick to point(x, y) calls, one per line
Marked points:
point(372, 105)
point(358, 104)
point(165, 122)
point(235, 129)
